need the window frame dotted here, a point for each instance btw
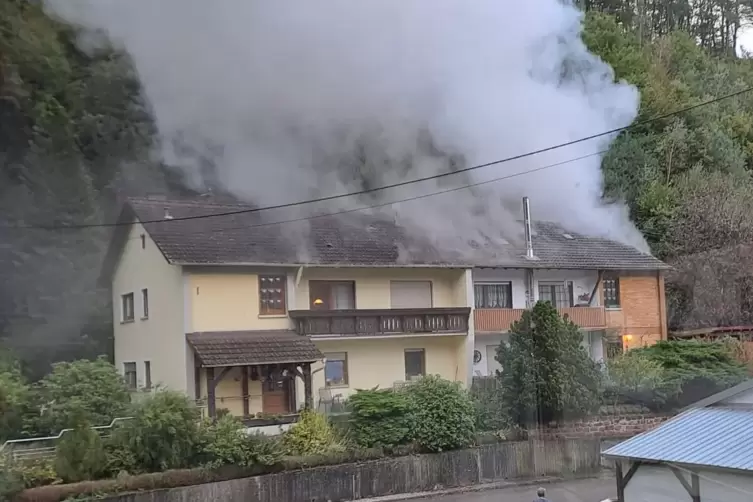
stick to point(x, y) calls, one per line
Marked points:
point(330, 284)
point(423, 362)
point(264, 309)
point(144, 303)
point(337, 356)
point(492, 283)
point(566, 288)
point(617, 303)
point(135, 372)
point(125, 298)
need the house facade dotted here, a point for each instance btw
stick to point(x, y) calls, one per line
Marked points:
point(211, 300)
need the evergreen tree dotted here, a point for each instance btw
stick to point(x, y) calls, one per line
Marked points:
point(546, 373)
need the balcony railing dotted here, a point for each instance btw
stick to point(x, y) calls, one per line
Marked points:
point(381, 322)
point(497, 320)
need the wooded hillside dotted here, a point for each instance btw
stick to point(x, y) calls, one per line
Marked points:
point(74, 132)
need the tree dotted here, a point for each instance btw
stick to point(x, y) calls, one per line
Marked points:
point(546, 373)
point(14, 399)
point(92, 391)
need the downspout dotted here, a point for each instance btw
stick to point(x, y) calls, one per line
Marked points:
point(529, 252)
point(596, 288)
point(298, 276)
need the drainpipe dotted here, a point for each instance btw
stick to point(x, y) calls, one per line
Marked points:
point(529, 252)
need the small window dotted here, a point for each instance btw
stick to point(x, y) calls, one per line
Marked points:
point(336, 369)
point(415, 363)
point(328, 295)
point(272, 295)
point(143, 241)
point(145, 303)
point(555, 293)
point(611, 292)
point(127, 307)
point(129, 373)
point(148, 374)
point(493, 296)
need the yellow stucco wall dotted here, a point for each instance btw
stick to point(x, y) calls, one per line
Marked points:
point(373, 285)
point(229, 392)
point(227, 301)
point(159, 339)
point(380, 362)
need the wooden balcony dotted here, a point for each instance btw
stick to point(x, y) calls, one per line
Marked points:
point(381, 322)
point(499, 320)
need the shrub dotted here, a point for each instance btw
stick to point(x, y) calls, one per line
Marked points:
point(696, 369)
point(163, 434)
point(635, 378)
point(93, 390)
point(380, 418)
point(490, 412)
point(443, 413)
point(80, 455)
point(546, 373)
point(228, 443)
point(14, 400)
point(312, 435)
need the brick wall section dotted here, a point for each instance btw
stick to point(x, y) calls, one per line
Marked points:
point(603, 426)
point(643, 311)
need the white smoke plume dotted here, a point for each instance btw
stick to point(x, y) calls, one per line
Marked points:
point(298, 99)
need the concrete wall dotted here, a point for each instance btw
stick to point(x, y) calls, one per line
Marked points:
point(417, 473)
point(159, 338)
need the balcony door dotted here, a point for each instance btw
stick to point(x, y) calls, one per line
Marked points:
point(410, 295)
point(331, 295)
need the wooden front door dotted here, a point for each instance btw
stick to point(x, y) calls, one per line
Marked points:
point(276, 395)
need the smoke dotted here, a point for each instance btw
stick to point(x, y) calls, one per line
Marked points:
point(290, 100)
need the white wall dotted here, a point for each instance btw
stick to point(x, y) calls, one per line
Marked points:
point(487, 344)
point(657, 483)
point(583, 281)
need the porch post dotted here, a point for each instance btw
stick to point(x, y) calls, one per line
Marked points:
point(307, 386)
point(244, 389)
point(211, 404)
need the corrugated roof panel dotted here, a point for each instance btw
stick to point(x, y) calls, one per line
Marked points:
point(713, 436)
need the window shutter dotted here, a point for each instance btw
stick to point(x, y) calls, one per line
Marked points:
point(410, 294)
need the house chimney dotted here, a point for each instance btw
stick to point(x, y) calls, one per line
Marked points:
point(168, 216)
point(527, 224)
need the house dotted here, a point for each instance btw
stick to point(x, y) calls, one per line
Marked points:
point(612, 291)
point(218, 301)
point(703, 454)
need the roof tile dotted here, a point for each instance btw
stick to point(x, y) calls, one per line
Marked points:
point(236, 348)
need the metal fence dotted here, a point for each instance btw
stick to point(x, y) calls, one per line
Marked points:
point(44, 447)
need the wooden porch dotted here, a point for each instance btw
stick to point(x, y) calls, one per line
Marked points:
point(251, 374)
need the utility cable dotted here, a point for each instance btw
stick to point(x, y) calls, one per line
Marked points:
point(402, 183)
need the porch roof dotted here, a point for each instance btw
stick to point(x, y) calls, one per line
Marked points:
point(247, 348)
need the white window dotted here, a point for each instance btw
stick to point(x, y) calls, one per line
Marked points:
point(331, 295)
point(127, 307)
point(130, 375)
point(559, 294)
point(410, 294)
point(145, 303)
point(493, 295)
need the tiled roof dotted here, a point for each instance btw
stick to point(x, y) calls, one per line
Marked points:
point(236, 348)
point(711, 436)
point(354, 239)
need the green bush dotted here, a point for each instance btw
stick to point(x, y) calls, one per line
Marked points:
point(694, 369)
point(80, 455)
point(312, 435)
point(92, 390)
point(635, 378)
point(228, 443)
point(444, 414)
point(163, 434)
point(380, 418)
point(490, 412)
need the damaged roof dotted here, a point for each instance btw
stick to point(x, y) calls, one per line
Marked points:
point(240, 348)
point(353, 239)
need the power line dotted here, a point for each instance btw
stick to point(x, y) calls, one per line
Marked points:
point(402, 183)
point(383, 204)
